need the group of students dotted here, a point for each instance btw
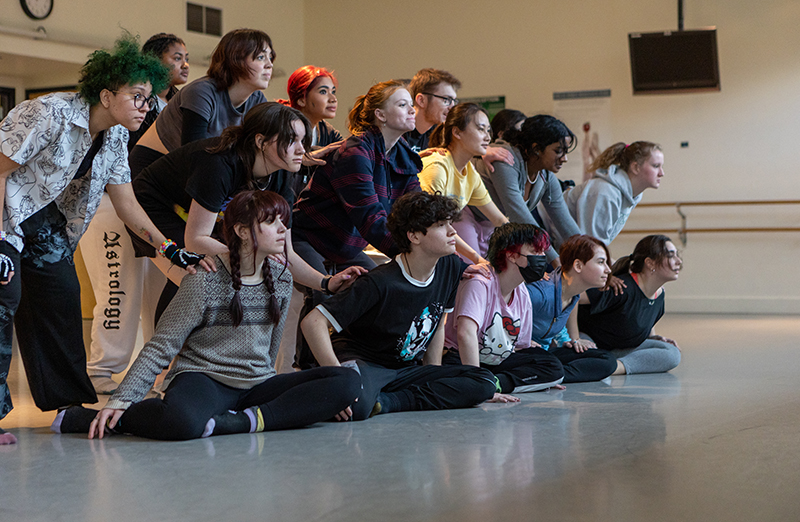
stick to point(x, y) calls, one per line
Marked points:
point(250, 197)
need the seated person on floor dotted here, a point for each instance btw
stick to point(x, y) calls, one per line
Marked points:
point(584, 265)
point(225, 329)
point(491, 324)
point(390, 324)
point(624, 324)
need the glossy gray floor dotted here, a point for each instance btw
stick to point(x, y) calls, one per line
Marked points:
point(716, 439)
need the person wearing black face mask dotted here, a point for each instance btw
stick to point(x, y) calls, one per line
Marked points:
point(535, 268)
point(491, 324)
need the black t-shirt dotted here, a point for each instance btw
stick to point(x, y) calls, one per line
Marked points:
point(388, 318)
point(621, 321)
point(191, 172)
point(418, 141)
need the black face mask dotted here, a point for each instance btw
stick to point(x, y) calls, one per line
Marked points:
point(535, 269)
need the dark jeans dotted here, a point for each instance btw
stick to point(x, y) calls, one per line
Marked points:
point(287, 401)
point(591, 365)
point(303, 357)
point(424, 387)
point(43, 302)
point(527, 370)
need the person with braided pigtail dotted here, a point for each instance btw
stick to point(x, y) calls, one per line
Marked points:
point(224, 330)
point(58, 153)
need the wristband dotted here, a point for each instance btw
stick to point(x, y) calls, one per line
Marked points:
point(324, 284)
point(164, 246)
point(3, 235)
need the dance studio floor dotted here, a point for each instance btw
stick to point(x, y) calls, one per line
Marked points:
point(716, 439)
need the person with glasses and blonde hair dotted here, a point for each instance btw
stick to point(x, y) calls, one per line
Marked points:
point(58, 153)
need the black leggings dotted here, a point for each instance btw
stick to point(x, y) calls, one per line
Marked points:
point(588, 366)
point(291, 400)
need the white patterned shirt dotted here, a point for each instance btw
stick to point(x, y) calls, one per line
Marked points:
point(49, 137)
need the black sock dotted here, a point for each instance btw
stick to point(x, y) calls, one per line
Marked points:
point(77, 419)
point(235, 422)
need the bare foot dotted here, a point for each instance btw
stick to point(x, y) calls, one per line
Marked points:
point(6, 438)
point(557, 387)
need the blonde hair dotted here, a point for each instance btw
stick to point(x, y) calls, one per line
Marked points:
point(623, 155)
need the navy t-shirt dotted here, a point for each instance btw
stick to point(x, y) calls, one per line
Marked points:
point(387, 317)
point(620, 321)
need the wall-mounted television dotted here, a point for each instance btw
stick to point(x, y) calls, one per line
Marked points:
point(674, 61)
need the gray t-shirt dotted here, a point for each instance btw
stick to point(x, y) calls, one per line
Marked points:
point(202, 97)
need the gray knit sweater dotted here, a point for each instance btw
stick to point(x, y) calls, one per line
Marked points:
point(197, 327)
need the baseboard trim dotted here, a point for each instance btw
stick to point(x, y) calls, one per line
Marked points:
point(734, 305)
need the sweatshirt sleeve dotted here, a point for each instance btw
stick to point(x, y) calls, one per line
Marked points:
point(183, 315)
point(553, 201)
point(505, 179)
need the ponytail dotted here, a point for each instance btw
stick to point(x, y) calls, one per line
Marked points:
point(623, 155)
point(362, 115)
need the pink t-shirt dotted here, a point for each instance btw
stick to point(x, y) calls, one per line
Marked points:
point(502, 326)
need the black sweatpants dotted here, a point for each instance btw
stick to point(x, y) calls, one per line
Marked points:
point(291, 400)
point(42, 303)
point(424, 387)
point(528, 370)
point(591, 365)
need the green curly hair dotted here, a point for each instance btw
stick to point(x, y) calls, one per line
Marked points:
point(124, 65)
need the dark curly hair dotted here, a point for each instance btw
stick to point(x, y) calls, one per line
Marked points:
point(509, 239)
point(124, 65)
point(537, 133)
point(416, 212)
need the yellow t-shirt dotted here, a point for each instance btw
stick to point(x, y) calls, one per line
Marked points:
point(439, 174)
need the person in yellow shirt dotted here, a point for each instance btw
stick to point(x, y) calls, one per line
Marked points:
point(465, 134)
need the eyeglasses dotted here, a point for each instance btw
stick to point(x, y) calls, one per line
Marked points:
point(139, 99)
point(447, 100)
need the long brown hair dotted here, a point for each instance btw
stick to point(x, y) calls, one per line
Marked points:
point(270, 119)
point(249, 209)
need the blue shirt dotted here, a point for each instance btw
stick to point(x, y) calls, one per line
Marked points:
point(548, 317)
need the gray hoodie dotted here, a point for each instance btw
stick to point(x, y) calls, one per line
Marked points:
point(600, 205)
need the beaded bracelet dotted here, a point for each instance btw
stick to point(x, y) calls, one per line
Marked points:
point(164, 246)
point(3, 235)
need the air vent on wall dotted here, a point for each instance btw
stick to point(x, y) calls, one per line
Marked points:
point(203, 19)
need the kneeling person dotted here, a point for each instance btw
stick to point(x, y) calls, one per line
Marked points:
point(491, 324)
point(389, 325)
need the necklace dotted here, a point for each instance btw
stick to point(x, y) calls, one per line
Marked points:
point(408, 267)
point(531, 181)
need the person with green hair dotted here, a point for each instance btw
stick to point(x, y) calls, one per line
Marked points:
point(58, 153)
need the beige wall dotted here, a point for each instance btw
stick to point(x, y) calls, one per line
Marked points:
point(741, 139)
point(76, 27)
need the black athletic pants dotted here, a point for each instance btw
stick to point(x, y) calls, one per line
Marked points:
point(424, 387)
point(527, 370)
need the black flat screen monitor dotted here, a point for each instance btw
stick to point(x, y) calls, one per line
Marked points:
point(674, 61)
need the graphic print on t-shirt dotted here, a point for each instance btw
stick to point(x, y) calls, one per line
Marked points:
point(498, 339)
point(420, 332)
